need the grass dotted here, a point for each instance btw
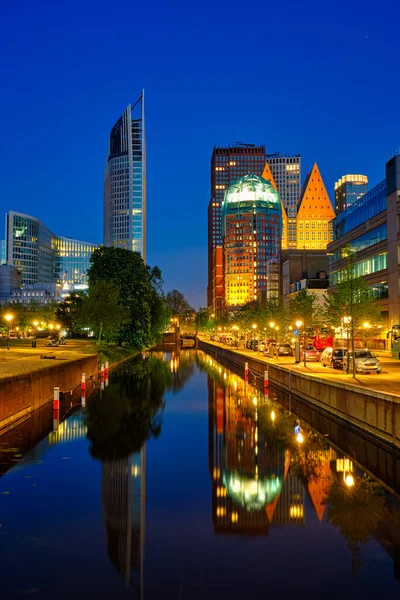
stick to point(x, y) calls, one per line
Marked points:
point(109, 352)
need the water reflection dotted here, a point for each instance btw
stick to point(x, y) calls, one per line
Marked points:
point(265, 463)
point(120, 419)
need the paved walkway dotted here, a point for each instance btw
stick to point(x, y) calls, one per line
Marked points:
point(388, 382)
point(20, 360)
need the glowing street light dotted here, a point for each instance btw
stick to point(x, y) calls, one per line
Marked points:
point(300, 438)
point(349, 480)
point(299, 324)
point(272, 324)
point(273, 416)
point(8, 317)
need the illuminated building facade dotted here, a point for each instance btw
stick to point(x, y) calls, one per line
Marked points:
point(286, 171)
point(370, 227)
point(251, 230)
point(314, 214)
point(348, 189)
point(218, 282)
point(43, 257)
point(125, 182)
point(227, 165)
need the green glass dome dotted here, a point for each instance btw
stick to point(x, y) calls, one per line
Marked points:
point(250, 188)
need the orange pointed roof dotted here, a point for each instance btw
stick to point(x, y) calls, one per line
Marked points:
point(270, 508)
point(319, 487)
point(314, 201)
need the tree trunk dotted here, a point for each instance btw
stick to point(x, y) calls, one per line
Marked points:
point(352, 349)
point(304, 346)
point(100, 332)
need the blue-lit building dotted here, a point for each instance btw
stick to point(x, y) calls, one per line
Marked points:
point(348, 189)
point(43, 257)
point(370, 227)
point(125, 182)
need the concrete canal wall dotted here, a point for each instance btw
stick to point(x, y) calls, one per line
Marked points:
point(22, 394)
point(369, 410)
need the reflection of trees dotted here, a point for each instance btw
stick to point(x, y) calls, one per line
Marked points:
point(307, 458)
point(356, 511)
point(129, 411)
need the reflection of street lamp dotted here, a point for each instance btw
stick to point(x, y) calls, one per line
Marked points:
point(8, 317)
point(349, 480)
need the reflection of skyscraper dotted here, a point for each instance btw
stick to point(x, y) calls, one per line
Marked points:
point(247, 474)
point(124, 495)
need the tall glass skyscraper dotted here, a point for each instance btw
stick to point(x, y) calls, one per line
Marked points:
point(348, 189)
point(125, 182)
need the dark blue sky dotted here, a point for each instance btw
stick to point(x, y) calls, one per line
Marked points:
point(320, 79)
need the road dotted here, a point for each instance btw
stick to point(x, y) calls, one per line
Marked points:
point(388, 382)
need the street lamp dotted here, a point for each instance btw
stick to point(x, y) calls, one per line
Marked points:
point(366, 326)
point(299, 324)
point(254, 326)
point(8, 317)
point(36, 325)
point(347, 321)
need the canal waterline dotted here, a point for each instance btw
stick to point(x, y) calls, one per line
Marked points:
point(195, 492)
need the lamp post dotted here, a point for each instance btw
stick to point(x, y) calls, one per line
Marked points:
point(366, 326)
point(297, 345)
point(8, 317)
point(254, 326)
point(347, 321)
point(35, 324)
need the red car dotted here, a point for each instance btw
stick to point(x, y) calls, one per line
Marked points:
point(311, 354)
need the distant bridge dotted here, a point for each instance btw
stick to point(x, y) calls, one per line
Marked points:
point(188, 339)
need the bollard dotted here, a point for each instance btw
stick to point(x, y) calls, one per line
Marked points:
point(56, 419)
point(56, 398)
point(106, 368)
point(83, 383)
point(83, 398)
point(266, 382)
point(102, 370)
point(102, 383)
point(106, 382)
point(246, 372)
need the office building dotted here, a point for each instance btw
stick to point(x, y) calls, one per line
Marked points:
point(301, 269)
point(10, 281)
point(286, 171)
point(268, 176)
point(251, 238)
point(125, 182)
point(43, 257)
point(348, 189)
point(314, 213)
point(218, 282)
point(370, 227)
point(228, 164)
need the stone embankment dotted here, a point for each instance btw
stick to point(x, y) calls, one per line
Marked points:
point(372, 411)
point(21, 394)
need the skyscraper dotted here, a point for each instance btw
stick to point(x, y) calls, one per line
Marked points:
point(286, 171)
point(42, 256)
point(348, 189)
point(251, 230)
point(227, 165)
point(125, 182)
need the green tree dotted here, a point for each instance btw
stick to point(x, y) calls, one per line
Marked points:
point(201, 320)
point(139, 290)
point(69, 313)
point(351, 305)
point(305, 307)
point(102, 310)
point(177, 303)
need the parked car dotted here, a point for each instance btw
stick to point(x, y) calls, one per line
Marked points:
point(310, 354)
point(262, 345)
point(333, 357)
point(285, 350)
point(366, 361)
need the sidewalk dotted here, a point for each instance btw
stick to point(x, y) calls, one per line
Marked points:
point(23, 360)
point(388, 382)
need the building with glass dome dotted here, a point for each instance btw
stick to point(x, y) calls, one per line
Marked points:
point(251, 238)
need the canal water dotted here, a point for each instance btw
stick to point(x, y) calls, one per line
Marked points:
point(177, 480)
